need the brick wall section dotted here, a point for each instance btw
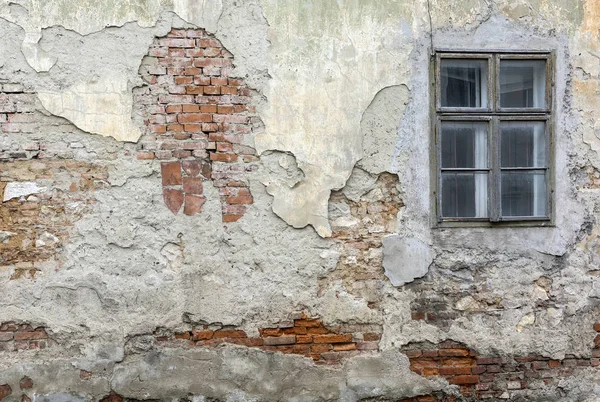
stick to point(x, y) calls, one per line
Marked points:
point(15, 337)
point(487, 377)
point(301, 335)
point(34, 227)
point(197, 116)
point(372, 218)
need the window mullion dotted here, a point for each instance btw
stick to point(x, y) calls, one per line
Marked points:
point(494, 180)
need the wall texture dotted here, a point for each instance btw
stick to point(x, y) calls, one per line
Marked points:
point(230, 200)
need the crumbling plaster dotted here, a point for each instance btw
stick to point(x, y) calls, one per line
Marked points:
point(342, 84)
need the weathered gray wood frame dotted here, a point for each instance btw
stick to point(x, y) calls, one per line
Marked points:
point(494, 115)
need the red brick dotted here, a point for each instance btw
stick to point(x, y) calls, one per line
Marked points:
point(320, 348)
point(174, 127)
point(158, 128)
point(430, 353)
point(190, 108)
point(344, 346)
point(370, 336)
point(597, 327)
point(309, 330)
point(184, 80)
point(597, 340)
point(183, 335)
point(192, 185)
point(454, 352)
point(173, 199)
point(224, 333)
point(209, 127)
point(211, 90)
point(208, 43)
point(202, 80)
point(26, 383)
point(250, 342)
point(145, 155)
point(194, 90)
point(171, 173)
point(235, 200)
point(478, 370)
point(223, 157)
point(178, 42)
point(181, 154)
point(271, 332)
point(194, 167)
point(5, 390)
point(202, 335)
point(194, 117)
point(280, 340)
point(554, 363)
point(192, 71)
point(445, 370)
point(196, 33)
point(228, 218)
point(173, 109)
point(463, 370)
point(303, 339)
point(225, 109)
point(220, 81)
point(489, 360)
point(192, 128)
point(464, 379)
point(236, 82)
point(430, 371)
point(367, 345)
point(208, 108)
point(211, 52)
point(22, 336)
point(193, 204)
point(229, 90)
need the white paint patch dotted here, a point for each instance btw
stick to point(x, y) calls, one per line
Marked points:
point(18, 189)
point(99, 107)
point(405, 259)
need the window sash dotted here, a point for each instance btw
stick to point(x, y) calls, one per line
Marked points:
point(494, 170)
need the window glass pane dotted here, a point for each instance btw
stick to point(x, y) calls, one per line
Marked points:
point(464, 83)
point(523, 194)
point(464, 195)
point(464, 144)
point(523, 83)
point(522, 144)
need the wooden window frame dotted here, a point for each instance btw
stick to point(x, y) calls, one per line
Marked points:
point(494, 115)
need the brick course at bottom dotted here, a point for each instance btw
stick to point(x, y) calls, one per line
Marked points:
point(303, 336)
point(487, 377)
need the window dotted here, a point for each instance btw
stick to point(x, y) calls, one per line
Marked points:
point(493, 138)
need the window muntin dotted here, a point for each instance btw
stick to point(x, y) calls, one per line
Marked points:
point(493, 163)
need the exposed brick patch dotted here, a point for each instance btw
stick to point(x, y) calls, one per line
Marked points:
point(15, 336)
point(197, 116)
point(26, 383)
point(35, 227)
point(360, 236)
point(302, 336)
point(5, 390)
point(112, 397)
point(487, 377)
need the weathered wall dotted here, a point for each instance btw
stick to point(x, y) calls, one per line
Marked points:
point(230, 200)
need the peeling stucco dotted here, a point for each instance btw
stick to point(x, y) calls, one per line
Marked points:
point(342, 92)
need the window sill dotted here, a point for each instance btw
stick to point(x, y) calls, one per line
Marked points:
point(488, 224)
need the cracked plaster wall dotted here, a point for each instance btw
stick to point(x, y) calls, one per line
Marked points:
point(344, 97)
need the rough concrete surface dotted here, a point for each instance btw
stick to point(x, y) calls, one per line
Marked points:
point(106, 294)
